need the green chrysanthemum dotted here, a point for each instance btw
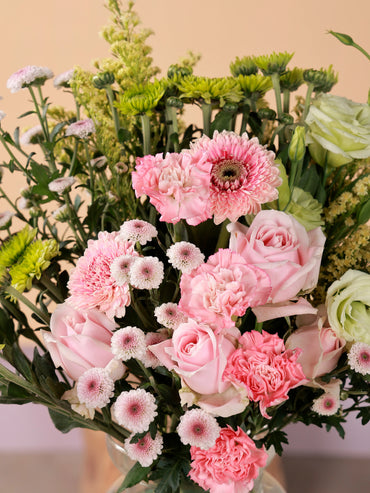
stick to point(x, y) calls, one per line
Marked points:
point(291, 79)
point(210, 89)
point(141, 99)
point(13, 249)
point(323, 80)
point(35, 260)
point(254, 84)
point(273, 64)
point(243, 66)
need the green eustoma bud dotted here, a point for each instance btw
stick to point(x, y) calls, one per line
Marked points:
point(297, 146)
point(343, 38)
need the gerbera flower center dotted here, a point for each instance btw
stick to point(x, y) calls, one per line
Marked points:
point(228, 174)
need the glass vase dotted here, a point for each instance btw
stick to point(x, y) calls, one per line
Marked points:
point(265, 483)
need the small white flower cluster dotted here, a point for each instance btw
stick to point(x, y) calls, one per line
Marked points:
point(63, 79)
point(81, 128)
point(32, 136)
point(60, 185)
point(27, 76)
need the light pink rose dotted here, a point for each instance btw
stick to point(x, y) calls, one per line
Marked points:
point(230, 466)
point(264, 368)
point(223, 288)
point(278, 244)
point(321, 348)
point(198, 355)
point(79, 340)
point(174, 185)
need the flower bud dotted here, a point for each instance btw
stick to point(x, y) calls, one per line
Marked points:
point(178, 71)
point(297, 146)
point(35, 211)
point(343, 38)
point(266, 114)
point(286, 119)
point(175, 102)
point(230, 107)
point(102, 80)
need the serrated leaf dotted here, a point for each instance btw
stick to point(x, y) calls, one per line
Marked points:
point(136, 474)
point(170, 479)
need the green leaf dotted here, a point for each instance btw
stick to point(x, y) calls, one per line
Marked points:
point(171, 476)
point(21, 363)
point(64, 423)
point(56, 130)
point(221, 121)
point(16, 136)
point(364, 214)
point(15, 392)
point(31, 112)
point(7, 333)
point(136, 474)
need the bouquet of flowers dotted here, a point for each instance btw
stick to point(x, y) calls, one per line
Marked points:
point(189, 291)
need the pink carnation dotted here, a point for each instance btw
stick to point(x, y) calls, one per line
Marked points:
point(242, 174)
point(91, 283)
point(222, 288)
point(174, 185)
point(230, 466)
point(264, 368)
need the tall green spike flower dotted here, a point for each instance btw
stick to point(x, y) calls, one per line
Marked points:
point(35, 260)
point(141, 99)
point(243, 66)
point(273, 64)
point(254, 84)
point(210, 90)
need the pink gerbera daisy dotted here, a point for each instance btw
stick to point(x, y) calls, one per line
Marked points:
point(91, 283)
point(242, 174)
point(146, 450)
point(135, 410)
point(198, 428)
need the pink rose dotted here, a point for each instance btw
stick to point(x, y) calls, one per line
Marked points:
point(223, 288)
point(278, 244)
point(230, 466)
point(264, 368)
point(198, 355)
point(78, 340)
point(321, 348)
point(174, 185)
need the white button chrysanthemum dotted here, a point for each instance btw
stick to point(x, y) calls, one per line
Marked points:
point(63, 79)
point(120, 269)
point(81, 128)
point(60, 185)
point(6, 218)
point(359, 358)
point(146, 273)
point(169, 315)
point(95, 388)
point(135, 410)
point(32, 136)
point(185, 256)
point(146, 450)
point(138, 230)
point(27, 76)
point(326, 405)
point(128, 342)
point(199, 429)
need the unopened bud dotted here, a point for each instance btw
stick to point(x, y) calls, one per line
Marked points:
point(178, 71)
point(266, 114)
point(297, 146)
point(103, 80)
point(175, 102)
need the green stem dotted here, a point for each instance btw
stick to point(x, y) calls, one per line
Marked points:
point(91, 172)
point(286, 100)
point(172, 128)
point(75, 220)
point(223, 237)
point(74, 161)
point(52, 288)
point(20, 215)
point(19, 296)
point(307, 103)
point(207, 114)
point(145, 124)
point(276, 85)
point(110, 96)
point(22, 168)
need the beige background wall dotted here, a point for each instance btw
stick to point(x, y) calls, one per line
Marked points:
point(62, 33)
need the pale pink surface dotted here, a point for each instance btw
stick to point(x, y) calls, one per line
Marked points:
point(264, 368)
point(278, 244)
point(230, 466)
point(321, 348)
point(79, 340)
point(174, 185)
point(223, 287)
point(198, 355)
point(242, 174)
point(91, 283)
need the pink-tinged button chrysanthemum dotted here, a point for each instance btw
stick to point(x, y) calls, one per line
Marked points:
point(28, 76)
point(92, 285)
point(326, 405)
point(63, 79)
point(128, 343)
point(242, 174)
point(60, 185)
point(138, 230)
point(185, 256)
point(81, 128)
point(169, 315)
point(146, 273)
point(95, 388)
point(120, 269)
point(146, 450)
point(198, 428)
point(135, 410)
point(34, 135)
point(359, 358)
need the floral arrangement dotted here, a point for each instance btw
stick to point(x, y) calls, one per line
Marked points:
point(191, 290)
